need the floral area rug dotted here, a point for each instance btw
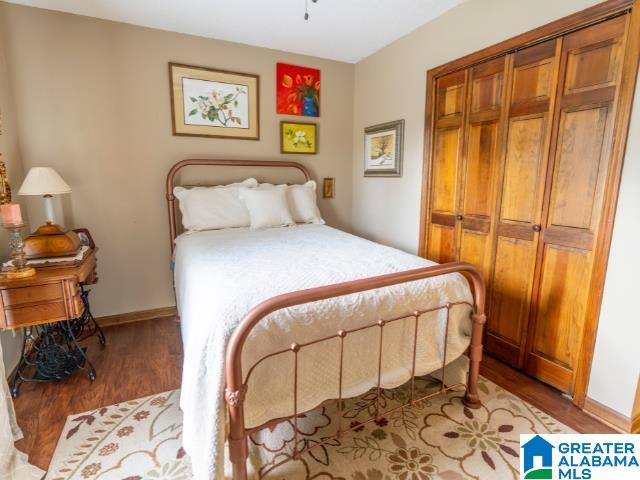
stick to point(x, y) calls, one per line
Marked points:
point(436, 439)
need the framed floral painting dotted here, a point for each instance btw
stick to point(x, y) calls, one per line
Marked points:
point(298, 90)
point(298, 137)
point(383, 149)
point(214, 103)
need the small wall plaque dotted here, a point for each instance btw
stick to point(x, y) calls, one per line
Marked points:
point(328, 187)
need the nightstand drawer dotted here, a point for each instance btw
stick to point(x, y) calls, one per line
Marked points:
point(36, 293)
point(51, 295)
point(35, 314)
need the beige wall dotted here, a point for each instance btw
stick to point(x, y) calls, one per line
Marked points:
point(10, 154)
point(93, 102)
point(391, 84)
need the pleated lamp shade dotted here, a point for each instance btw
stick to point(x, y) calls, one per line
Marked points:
point(43, 181)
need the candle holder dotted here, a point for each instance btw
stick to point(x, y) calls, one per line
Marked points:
point(19, 267)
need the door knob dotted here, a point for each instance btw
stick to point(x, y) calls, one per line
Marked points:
point(536, 228)
point(459, 218)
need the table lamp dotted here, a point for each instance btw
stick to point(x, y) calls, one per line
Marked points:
point(49, 240)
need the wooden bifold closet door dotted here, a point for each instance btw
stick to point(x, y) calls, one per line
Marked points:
point(521, 172)
point(467, 138)
point(533, 74)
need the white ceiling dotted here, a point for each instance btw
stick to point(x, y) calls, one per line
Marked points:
point(345, 30)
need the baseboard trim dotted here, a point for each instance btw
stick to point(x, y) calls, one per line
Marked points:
point(635, 413)
point(635, 424)
point(131, 317)
point(607, 415)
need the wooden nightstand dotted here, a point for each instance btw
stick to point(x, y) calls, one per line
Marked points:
point(52, 308)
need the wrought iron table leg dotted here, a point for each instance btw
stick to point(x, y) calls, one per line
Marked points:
point(16, 377)
point(15, 390)
point(74, 343)
point(89, 321)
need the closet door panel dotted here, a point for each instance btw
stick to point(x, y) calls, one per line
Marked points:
point(480, 170)
point(523, 170)
point(474, 249)
point(486, 89)
point(589, 76)
point(442, 233)
point(445, 170)
point(532, 82)
point(578, 174)
point(564, 289)
point(512, 281)
point(480, 165)
point(533, 75)
point(594, 56)
point(442, 243)
point(450, 96)
point(563, 292)
point(592, 67)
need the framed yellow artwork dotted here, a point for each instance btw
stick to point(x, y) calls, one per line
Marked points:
point(214, 103)
point(298, 137)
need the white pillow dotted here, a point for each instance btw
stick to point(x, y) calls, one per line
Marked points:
point(267, 206)
point(302, 203)
point(211, 208)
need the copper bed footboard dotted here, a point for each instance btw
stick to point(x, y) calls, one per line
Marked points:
point(236, 385)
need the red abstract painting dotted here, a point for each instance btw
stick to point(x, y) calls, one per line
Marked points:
point(298, 90)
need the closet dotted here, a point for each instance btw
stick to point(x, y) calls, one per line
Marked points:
point(523, 151)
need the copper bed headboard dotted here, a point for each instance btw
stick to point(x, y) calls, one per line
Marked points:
point(215, 162)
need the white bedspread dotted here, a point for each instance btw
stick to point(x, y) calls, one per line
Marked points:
point(220, 275)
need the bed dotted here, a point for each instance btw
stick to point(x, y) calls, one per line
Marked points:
point(278, 321)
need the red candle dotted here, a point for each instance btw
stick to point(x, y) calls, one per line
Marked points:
point(10, 213)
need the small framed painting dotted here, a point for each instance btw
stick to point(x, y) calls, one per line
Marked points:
point(85, 237)
point(298, 90)
point(328, 187)
point(383, 149)
point(298, 137)
point(214, 103)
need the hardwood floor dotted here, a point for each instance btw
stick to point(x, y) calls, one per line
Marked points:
point(139, 359)
point(146, 357)
point(542, 396)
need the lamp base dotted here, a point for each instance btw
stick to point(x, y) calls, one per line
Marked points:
point(20, 273)
point(51, 240)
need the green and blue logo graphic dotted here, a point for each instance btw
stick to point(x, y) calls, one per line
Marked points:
point(580, 457)
point(538, 449)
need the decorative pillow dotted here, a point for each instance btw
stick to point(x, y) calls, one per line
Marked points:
point(302, 203)
point(267, 206)
point(211, 208)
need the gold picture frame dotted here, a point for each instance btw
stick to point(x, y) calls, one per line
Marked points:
point(207, 102)
point(328, 187)
point(298, 137)
point(383, 149)
point(5, 188)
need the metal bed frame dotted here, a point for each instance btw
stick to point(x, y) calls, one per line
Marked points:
point(236, 384)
